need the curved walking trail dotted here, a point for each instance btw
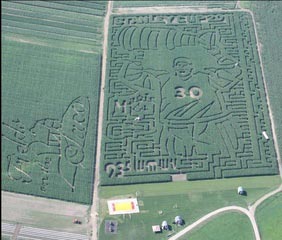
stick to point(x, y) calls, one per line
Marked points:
point(250, 214)
point(216, 212)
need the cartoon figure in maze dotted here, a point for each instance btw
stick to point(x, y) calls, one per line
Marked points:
point(48, 141)
point(192, 81)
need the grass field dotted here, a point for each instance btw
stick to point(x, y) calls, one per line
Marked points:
point(269, 218)
point(191, 114)
point(191, 200)
point(227, 226)
point(50, 97)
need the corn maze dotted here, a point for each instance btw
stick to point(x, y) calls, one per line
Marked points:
point(184, 95)
point(50, 80)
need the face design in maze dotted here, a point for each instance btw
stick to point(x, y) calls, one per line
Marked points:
point(183, 68)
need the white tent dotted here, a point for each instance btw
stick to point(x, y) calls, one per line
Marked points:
point(178, 220)
point(241, 190)
point(164, 225)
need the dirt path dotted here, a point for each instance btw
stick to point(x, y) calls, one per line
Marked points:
point(214, 213)
point(95, 207)
point(250, 214)
point(16, 233)
point(252, 208)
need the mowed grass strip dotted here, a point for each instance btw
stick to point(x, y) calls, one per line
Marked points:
point(190, 200)
point(232, 226)
point(172, 188)
point(269, 218)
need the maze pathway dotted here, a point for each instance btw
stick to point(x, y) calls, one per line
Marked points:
point(184, 95)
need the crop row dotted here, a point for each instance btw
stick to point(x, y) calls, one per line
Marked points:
point(206, 4)
point(72, 24)
point(38, 20)
point(52, 14)
point(48, 28)
point(67, 6)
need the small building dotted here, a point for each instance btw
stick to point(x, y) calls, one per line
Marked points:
point(241, 191)
point(156, 228)
point(178, 220)
point(164, 225)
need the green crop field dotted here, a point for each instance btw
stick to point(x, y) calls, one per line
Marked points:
point(61, 24)
point(268, 18)
point(269, 218)
point(184, 95)
point(227, 226)
point(50, 97)
point(206, 4)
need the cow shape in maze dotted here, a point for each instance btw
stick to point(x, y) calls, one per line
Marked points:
point(184, 94)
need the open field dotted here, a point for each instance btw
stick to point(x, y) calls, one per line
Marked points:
point(227, 226)
point(44, 213)
point(191, 200)
point(50, 97)
point(191, 114)
point(269, 218)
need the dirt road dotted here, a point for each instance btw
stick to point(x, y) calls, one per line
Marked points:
point(95, 207)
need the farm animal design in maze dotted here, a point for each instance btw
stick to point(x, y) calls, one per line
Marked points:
point(184, 95)
point(50, 146)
